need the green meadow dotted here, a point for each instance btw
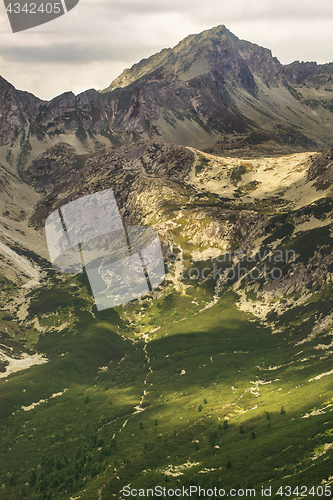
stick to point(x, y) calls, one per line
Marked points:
point(162, 392)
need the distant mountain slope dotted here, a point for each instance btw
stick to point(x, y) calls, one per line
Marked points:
point(209, 87)
point(224, 84)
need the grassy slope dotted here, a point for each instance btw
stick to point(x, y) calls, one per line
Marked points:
point(66, 445)
point(76, 444)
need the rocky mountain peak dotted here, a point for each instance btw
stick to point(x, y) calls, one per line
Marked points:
point(212, 50)
point(209, 86)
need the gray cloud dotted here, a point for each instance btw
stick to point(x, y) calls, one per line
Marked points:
point(237, 10)
point(73, 53)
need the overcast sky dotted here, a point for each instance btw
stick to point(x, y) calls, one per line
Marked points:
point(91, 45)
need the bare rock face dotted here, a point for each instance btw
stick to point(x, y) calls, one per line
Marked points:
point(59, 115)
point(12, 115)
point(68, 112)
point(322, 170)
point(91, 111)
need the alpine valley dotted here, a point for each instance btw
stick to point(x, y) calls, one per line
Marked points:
point(222, 376)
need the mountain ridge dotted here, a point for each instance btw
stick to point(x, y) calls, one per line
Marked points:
point(210, 85)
